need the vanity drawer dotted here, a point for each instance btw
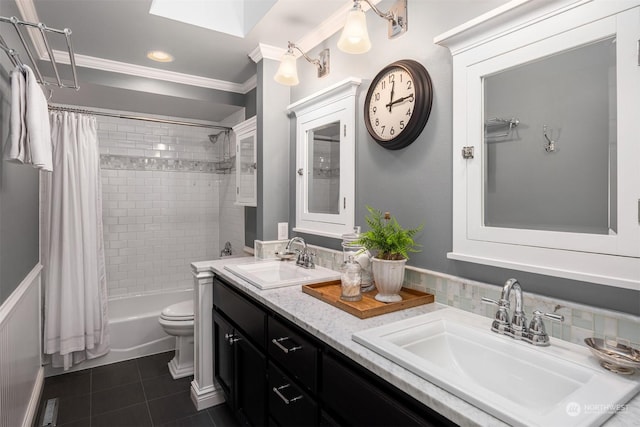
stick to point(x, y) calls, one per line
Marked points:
point(295, 353)
point(289, 405)
point(355, 399)
point(245, 314)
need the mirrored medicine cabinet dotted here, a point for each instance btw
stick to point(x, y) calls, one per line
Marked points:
point(325, 160)
point(545, 136)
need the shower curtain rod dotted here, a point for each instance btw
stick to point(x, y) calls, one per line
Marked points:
point(146, 119)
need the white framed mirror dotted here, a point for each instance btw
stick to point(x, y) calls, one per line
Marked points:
point(544, 96)
point(325, 160)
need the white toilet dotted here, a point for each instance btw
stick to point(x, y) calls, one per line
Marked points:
point(177, 320)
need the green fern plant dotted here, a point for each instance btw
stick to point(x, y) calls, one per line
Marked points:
point(387, 236)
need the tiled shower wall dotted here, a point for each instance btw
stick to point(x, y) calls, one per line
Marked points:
point(167, 201)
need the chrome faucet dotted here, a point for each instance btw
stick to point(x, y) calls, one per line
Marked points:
point(227, 251)
point(305, 258)
point(517, 328)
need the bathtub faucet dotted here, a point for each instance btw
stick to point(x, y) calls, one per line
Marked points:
point(227, 251)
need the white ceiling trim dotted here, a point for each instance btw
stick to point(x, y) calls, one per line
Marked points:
point(265, 51)
point(151, 73)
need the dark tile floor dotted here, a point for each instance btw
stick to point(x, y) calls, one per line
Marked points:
point(135, 393)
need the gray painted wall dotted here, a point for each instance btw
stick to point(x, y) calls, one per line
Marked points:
point(415, 183)
point(273, 152)
point(19, 223)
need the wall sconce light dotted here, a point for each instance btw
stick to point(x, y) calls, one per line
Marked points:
point(355, 38)
point(287, 73)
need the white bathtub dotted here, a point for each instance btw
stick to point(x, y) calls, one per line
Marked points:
point(134, 328)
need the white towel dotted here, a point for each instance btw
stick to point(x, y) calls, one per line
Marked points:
point(16, 144)
point(37, 120)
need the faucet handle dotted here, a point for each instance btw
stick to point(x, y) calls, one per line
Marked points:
point(501, 322)
point(490, 301)
point(537, 332)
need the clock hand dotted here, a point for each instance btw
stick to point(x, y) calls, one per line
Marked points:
point(393, 86)
point(397, 101)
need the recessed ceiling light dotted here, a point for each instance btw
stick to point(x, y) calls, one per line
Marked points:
point(159, 56)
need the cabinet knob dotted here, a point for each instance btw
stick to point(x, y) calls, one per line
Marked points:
point(300, 171)
point(231, 338)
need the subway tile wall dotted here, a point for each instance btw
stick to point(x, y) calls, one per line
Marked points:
point(168, 195)
point(580, 322)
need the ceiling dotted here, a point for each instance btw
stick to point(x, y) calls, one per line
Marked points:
point(115, 35)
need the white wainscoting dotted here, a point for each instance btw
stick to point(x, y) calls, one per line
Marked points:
point(21, 373)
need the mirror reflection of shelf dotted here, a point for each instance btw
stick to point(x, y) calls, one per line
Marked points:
point(498, 124)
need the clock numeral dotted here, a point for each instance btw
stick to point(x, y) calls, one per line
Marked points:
point(408, 112)
point(377, 96)
point(374, 109)
point(392, 78)
point(383, 127)
point(392, 131)
point(383, 85)
point(409, 85)
point(377, 122)
point(401, 124)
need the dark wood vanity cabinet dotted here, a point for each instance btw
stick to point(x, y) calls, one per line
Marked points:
point(240, 365)
point(274, 373)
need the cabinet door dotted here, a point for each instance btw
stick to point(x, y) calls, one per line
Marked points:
point(246, 163)
point(223, 338)
point(245, 314)
point(251, 382)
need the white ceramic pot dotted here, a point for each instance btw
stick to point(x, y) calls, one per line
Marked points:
point(388, 276)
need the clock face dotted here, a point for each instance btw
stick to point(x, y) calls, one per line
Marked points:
point(392, 103)
point(398, 104)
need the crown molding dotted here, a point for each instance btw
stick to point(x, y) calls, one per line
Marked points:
point(265, 51)
point(151, 73)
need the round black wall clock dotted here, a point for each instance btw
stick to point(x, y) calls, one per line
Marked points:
point(398, 104)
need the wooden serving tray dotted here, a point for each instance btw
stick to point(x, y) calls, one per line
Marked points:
point(368, 306)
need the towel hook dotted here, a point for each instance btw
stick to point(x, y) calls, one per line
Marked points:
point(550, 146)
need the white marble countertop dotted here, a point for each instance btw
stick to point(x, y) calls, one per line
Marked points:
point(335, 327)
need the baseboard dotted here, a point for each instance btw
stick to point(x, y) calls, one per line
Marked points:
point(34, 400)
point(207, 397)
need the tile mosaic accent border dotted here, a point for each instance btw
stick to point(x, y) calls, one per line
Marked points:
point(581, 321)
point(119, 162)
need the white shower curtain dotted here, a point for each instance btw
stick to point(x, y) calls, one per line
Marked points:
point(75, 322)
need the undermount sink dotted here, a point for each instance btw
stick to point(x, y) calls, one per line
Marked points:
point(277, 274)
point(560, 385)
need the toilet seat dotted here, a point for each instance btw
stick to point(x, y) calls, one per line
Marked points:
point(182, 311)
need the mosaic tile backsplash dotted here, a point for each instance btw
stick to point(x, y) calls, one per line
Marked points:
point(580, 321)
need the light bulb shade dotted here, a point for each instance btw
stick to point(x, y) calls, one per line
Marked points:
point(287, 73)
point(355, 37)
